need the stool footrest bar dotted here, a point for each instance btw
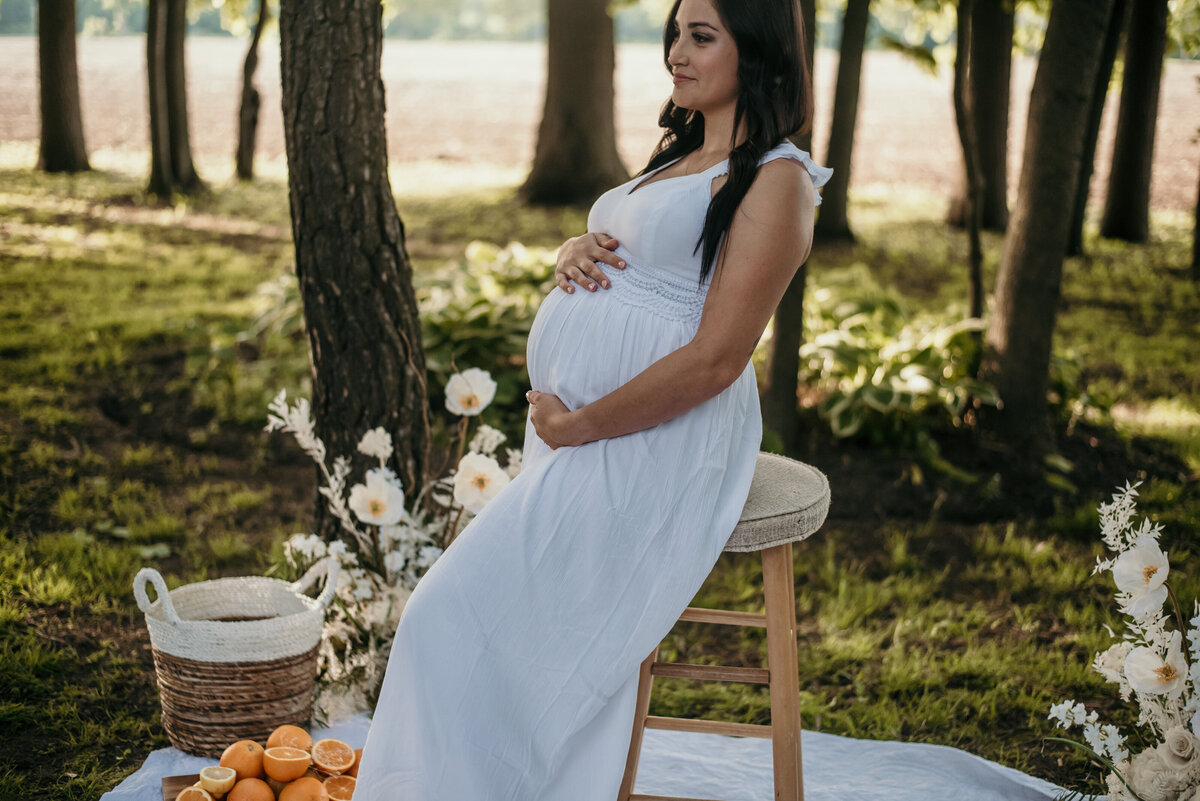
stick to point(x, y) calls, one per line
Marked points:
point(682, 670)
point(639, 797)
point(697, 614)
point(709, 726)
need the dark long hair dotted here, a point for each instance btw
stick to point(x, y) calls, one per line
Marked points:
point(774, 101)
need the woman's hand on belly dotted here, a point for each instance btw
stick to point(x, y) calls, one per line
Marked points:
point(577, 261)
point(551, 419)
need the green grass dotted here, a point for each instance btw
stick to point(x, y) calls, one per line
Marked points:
point(130, 435)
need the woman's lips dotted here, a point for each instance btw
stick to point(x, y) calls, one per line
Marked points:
point(682, 79)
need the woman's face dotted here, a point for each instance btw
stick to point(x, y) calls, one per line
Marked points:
point(703, 59)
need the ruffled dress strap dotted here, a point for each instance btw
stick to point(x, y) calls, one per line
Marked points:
point(786, 150)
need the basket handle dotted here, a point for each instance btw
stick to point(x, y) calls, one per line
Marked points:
point(329, 568)
point(148, 575)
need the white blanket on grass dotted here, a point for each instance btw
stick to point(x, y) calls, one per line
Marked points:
point(737, 769)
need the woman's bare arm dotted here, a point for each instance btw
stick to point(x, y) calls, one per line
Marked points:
point(770, 237)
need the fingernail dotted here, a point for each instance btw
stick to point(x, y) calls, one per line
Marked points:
point(592, 287)
point(604, 284)
point(621, 264)
point(570, 290)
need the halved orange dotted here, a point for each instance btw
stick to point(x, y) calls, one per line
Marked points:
point(357, 761)
point(216, 780)
point(332, 756)
point(340, 788)
point(292, 736)
point(284, 763)
point(194, 793)
point(306, 788)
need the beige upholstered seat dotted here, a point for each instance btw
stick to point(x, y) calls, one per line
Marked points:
point(788, 501)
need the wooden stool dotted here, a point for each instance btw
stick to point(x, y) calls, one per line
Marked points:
point(788, 501)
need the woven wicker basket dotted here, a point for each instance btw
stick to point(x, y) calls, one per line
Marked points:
point(234, 657)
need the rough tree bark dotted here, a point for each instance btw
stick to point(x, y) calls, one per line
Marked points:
point(355, 277)
point(1108, 56)
point(988, 85)
point(1127, 204)
point(968, 139)
point(162, 177)
point(1020, 333)
point(61, 148)
point(576, 157)
point(781, 373)
point(182, 168)
point(248, 111)
point(833, 223)
point(1196, 241)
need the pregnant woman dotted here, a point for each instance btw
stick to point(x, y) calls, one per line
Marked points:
point(514, 671)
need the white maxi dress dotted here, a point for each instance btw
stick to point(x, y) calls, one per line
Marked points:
point(514, 671)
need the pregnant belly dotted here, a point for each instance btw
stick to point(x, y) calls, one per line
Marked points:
point(586, 344)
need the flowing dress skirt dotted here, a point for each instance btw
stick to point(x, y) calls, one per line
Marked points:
point(514, 671)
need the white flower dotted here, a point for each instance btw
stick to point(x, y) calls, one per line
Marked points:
point(486, 440)
point(477, 481)
point(513, 465)
point(379, 502)
point(1140, 573)
point(1148, 672)
point(1179, 748)
point(1148, 777)
point(378, 443)
point(394, 561)
point(1068, 714)
point(428, 555)
point(470, 392)
point(309, 546)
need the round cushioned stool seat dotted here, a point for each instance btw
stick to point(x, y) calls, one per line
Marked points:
point(788, 501)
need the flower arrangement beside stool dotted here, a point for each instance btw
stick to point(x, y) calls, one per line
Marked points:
point(1149, 665)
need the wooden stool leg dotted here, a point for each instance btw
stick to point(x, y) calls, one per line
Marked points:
point(782, 660)
point(645, 682)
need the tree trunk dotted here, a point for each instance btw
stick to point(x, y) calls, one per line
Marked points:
point(833, 224)
point(964, 115)
point(162, 178)
point(781, 374)
point(1127, 205)
point(988, 86)
point(182, 168)
point(576, 157)
point(1196, 241)
point(1020, 334)
point(1108, 56)
point(248, 112)
point(355, 277)
point(61, 148)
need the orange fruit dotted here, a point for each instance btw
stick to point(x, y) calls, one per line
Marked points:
point(340, 788)
point(357, 759)
point(332, 756)
point(245, 757)
point(305, 788)
point(218, 781)
point(251, 790)
point(284, 763)
point(292, 736)
point(194, 793)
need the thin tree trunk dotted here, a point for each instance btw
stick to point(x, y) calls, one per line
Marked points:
point(354, 272)
point(248, 111)
point(988, 86)
point(1196, 241)
point(1127, 204)
point(576, 157)
point(61, 148)
point(833, 223)
point(1021, 330)
point(781, 374)
point(1108, 56)
point(162, 177)
point(182, 167)
point(964, 114)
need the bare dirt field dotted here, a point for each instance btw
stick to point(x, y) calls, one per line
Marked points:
point(481, 102)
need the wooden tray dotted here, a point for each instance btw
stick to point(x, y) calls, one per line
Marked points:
point(171, 785)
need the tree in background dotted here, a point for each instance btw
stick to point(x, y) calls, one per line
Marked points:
point(248, 110)
point(61, 148)
point(965, 64)
point(781, 373)
point(1021, 330)
point(171, 167)
point(1127, 204)
point(355, 278)
point(833, 223)
point(576, 157)
point(988, 83)
point(1108, 56)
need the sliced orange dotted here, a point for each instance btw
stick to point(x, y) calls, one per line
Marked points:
point(245, 757)
point(340, 788)
point(216, 780)
point(284, 763)
point(305, 788)
point(194, 793)
point(292, 736)
point(332, 756)
point(357, 761)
